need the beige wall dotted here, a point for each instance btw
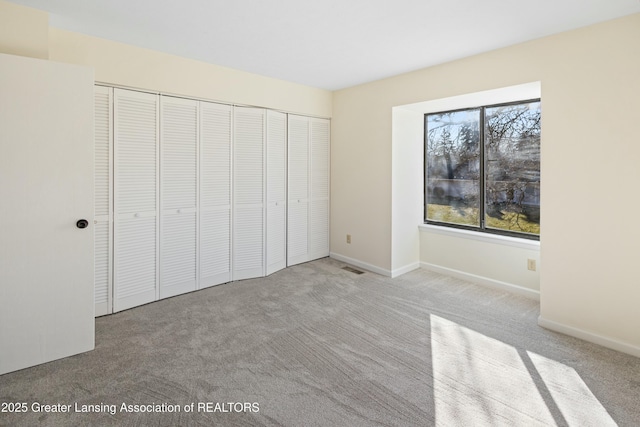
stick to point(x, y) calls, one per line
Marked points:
point(125, 65)
point(496, 262)
point(590, 111)
point(23, 31)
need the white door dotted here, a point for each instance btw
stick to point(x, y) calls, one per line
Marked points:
point(298, 191)
point(136, 163)
point(178, 195)
point(103, 196)
point(276, 222)
point(215, 194)
point(46, 186)
point(248, 191)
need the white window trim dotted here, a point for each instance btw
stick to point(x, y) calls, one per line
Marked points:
point(497, 239)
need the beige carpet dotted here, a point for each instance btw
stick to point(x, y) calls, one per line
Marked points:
point(315, 345)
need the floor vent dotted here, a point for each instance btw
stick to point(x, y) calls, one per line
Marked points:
point(352, 270)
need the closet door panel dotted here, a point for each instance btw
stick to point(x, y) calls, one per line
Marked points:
point(103, 193)
point(319, 190)
point(248, 183)
point(298, 232)
point(319, 229)
point(298, 190)
point(298, 161)
point(215, 194)
point(135, 198)
point(276, 222)
point(135, 261)
point(177, 254)
point(215, 247)
point(276, 237)
point(248, 245)
point(102, 266)
point(179, 195)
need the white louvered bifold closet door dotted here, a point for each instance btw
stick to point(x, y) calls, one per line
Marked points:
point(276, 222)
point(248, 193)
point(319, 191)
point(178, 195)
point(103, 193)
point(298, 191)
point(215, 194)
point(136, 198)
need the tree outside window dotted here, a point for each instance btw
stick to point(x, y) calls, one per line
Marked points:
point(482, 168)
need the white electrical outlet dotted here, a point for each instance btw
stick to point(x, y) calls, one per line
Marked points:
point(531, 264)
point(349, 238)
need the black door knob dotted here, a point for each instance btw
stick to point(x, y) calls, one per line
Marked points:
point(82, 223)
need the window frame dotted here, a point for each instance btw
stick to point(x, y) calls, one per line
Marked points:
point(482, 228)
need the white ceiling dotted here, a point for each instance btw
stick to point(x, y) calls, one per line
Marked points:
point(329, 44)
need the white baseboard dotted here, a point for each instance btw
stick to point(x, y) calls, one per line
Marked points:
point(361, 264)
point(529, 293)
point(407, 268)
point(589, 336)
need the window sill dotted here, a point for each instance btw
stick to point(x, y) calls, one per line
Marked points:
point(532, 245)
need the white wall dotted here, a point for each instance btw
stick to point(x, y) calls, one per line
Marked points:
point(496, 261)
point(406, 189)
point(590, 107)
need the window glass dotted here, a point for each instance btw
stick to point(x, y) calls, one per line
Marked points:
point(482, 168)
point(512, 153)
point(453, 167)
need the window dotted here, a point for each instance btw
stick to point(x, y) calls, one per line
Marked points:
point(482, 168)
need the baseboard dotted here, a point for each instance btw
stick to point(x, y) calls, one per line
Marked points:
point(407, 268)
point(361, 264)
point(589, 336)
point(485, 281)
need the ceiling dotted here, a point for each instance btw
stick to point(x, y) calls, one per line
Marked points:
point(329, 44)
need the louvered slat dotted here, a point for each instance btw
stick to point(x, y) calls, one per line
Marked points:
point(276, 237)
point(298, 158)
point(319, 159)
point(135, 201)
point(103, 144)
point(178, 195)
point(215, 246)
point(248, 239)
point(135, 261)
point(297, 236)
point(101, 265)
point(308, 186)
point(319, 197)
point(215, 155)
point(102, 141)
point(298, 190)
point(178, 254)
point(179, 142)
point(276, 245)
point(249, 156)
point(248, 224)
point(136, 154)
point(319, 229)
point(276, 156)
point(215, 193)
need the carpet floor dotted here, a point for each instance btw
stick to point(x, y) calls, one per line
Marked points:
point(316, 345)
